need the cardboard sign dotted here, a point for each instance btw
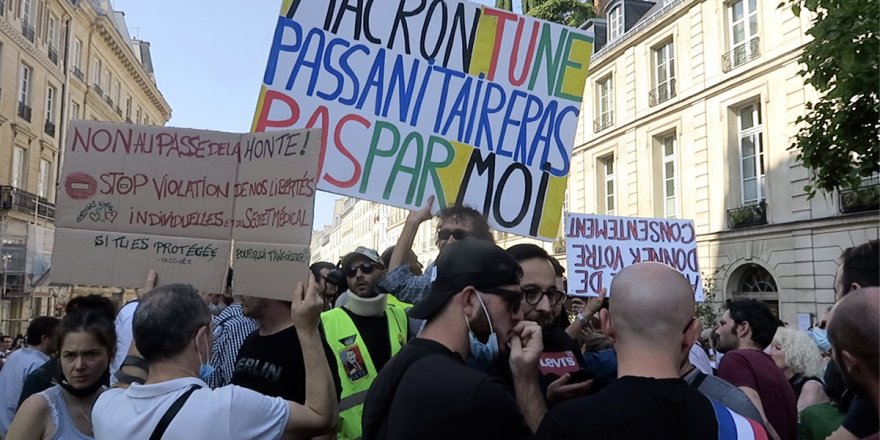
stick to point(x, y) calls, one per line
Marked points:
point(472, 104)
point(599, 246)
point(134, 198)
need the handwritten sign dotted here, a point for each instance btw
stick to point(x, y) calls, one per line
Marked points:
point(598, 246)
point(472, 104)
point(134, 198)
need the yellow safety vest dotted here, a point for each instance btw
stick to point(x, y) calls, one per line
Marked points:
point(354, 365)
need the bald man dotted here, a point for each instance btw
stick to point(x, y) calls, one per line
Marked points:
point(854, 331)
point(651, 323)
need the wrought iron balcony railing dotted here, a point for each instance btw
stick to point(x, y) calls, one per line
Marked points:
point(53, 55)
point(49, 128)
point(603, 121)
point(863, 198)
point(28, 31)
point(98, 89)
point(748, 215)
point(12, 198)
point(77, 72)
point(740, 55)
point(663, 93)
point(24, 111)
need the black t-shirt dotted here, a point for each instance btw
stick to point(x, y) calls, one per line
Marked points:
point(861, 418)
point(426, 392)
point(634, 408)
point(273, 365)
point(374, 331)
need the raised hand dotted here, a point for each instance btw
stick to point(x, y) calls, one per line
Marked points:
point(422, 214)
point(526, 346)
point(307, 305)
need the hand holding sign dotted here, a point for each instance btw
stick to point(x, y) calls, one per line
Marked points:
point(418, 216)
point(306, 306)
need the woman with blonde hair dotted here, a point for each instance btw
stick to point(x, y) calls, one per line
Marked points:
point(797, 356)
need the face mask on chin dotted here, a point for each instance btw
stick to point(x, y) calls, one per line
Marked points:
point(87, 391)
point(483, 352)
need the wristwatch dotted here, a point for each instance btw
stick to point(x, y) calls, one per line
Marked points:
point(582, 319)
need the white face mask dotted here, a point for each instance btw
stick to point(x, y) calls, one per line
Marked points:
point(483, 352)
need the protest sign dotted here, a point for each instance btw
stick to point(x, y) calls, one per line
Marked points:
point(134, 198)
point(599, 246)
point(472, 104)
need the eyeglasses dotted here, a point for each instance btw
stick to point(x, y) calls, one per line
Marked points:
point(511, 297)
point(533, 295)
point(459, 234)
point(366, 268)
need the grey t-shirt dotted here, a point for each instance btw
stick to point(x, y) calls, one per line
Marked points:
point(723, 391)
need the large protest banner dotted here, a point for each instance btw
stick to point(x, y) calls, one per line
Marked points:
point(472, 104)
point(133, 198)
point(599, 246)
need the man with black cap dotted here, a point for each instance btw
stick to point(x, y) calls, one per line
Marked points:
point(473, 311)
point(363, 334)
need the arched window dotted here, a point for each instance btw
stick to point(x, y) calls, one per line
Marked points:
point(754, 281)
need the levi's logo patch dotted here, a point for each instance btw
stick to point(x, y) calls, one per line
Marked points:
point(558, 363)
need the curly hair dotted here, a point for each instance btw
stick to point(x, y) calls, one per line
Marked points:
point(801, 353)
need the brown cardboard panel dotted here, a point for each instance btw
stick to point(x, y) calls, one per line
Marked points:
point(101, 258)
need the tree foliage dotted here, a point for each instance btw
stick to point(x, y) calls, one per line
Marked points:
point(839, 137)
point(568, 12)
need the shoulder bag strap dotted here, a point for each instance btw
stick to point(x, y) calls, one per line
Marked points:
point(171, 413)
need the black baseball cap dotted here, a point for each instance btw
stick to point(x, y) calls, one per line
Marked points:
point(467, 262)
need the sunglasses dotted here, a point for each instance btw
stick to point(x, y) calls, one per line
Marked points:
point(366, 268)
point(511, 297)
point(533, 294)
point(459, 234)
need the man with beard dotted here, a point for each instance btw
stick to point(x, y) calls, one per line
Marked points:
point(364, 334)
point(562, 355)
point(270, 361)
point(744, 331)
point(853, 330)
point(473, 311)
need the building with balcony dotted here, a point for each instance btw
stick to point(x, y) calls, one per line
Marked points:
point(59, 60)
point(693, 105)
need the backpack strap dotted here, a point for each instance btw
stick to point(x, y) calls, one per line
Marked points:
point(172, 412)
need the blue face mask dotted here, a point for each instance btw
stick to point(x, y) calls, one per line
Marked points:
point(205, 369)
point(483, 352)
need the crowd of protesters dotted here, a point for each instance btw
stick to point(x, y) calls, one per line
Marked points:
point(483, 343)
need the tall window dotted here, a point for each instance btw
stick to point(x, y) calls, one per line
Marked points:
point(109, 82)
point(607, 191)
point(52, 31)
point(74, 110)
point(615, 23)
point(137, 118)
point(51, 96)
point(98, 74)
point(19, 165)
point(670, 176)
point(24, 84)
point(743, 30)
point(27, 12)
point(664, 72)
point(751, 152)
point(77, 53)
point(604, 103)
point(128, 108)
point(117, 87)
point(45, 175)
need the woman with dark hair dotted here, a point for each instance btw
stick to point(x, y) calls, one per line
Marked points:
point(86, 340)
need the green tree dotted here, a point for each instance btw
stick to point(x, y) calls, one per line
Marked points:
point(568, 12)
point(839, 138)
point(708, 310)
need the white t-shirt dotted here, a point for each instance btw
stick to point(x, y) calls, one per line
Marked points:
point(700, 359)
point(229, 412)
